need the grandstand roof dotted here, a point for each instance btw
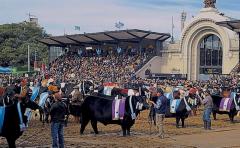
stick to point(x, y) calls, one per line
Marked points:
point(111, 37)
point(232, 25)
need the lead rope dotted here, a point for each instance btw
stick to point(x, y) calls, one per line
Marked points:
point(4, 105)
point(133, 115)
point(2, 117)
point(83, 88)
point(22, 126)
point(140, 91)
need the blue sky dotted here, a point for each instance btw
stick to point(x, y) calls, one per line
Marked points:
point(100, 15)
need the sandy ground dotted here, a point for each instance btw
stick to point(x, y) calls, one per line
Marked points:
point(225, 138)
point(224, 134)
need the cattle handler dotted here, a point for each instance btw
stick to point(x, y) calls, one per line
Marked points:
point(208, 106)
point(160, 109)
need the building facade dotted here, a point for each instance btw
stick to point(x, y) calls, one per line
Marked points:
point(204, 48)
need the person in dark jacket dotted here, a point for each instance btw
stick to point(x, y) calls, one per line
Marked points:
point(57, 112)
point(160, 109)
point(161, 104)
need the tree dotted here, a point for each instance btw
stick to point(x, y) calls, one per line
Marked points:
point(14, 39)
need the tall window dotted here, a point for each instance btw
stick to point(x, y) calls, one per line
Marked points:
point(210, 55)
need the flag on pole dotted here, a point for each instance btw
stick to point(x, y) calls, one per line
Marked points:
point(119, 25)
point(77, 28)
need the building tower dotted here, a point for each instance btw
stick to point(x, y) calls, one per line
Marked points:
point(183, 19)
point(209, 3)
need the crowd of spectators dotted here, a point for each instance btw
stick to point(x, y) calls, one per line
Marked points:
point(216, 83)
point(112, 67)
point(4, 80)
point(107, 68)
point(119, 68)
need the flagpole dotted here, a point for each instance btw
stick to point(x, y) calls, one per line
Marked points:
point(172, 39)
point(28, 58)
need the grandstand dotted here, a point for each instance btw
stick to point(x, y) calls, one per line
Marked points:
point(124, 39)
point(112, 56)
point(235, 26)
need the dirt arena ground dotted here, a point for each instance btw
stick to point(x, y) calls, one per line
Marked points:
point(38, 135)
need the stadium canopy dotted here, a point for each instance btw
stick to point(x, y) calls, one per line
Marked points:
point(232, 25)
point(108, 37)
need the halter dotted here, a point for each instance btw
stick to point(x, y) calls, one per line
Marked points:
point(139, 106)
point(187, 106)
point(148, 95)
point(235, 101)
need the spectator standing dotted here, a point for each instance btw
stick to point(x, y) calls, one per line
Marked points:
point(57, 112)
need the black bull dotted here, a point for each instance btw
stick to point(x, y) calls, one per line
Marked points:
point(216, 104)
point(98, 109)
point(11, 125)
point(181, 112)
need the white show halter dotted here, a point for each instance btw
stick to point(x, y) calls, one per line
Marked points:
point(187, 106)
point(235, 101)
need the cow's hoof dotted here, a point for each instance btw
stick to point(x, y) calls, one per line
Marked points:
point(183, 126)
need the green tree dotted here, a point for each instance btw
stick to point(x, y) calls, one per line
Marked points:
point(14, 40)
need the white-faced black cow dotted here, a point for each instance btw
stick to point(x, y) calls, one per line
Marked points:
point(99, 109)
point(181, 111)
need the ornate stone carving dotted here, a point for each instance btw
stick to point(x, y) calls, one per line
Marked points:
point(210, 3)
point(193, 24)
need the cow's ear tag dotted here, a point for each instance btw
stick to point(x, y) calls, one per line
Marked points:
point(133, 116)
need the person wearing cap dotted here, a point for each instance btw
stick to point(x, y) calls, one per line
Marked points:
point(193, 100)
point(21, 89)
point(57, 112)
point(208, 106)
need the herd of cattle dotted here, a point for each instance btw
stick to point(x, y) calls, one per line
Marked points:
point(106, 105)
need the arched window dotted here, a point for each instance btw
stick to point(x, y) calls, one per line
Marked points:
point(211, 55)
